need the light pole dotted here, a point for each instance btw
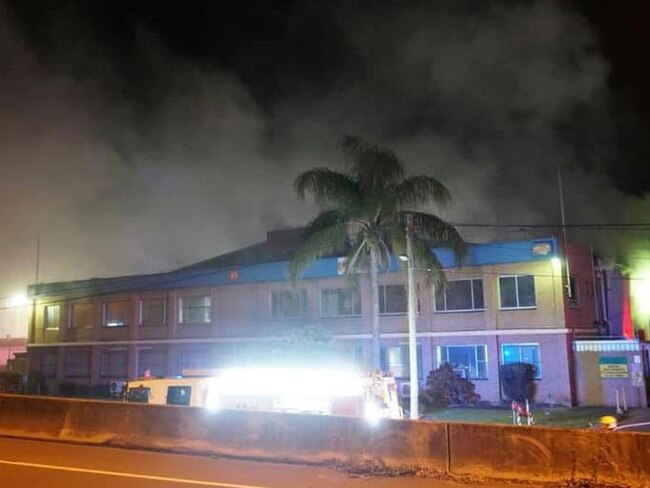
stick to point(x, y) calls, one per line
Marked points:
point(413, 347)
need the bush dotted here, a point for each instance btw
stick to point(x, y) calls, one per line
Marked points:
point(518, 381)
point(444, 388)
point(36, 384)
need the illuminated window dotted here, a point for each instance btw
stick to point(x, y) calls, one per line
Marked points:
point(81, 315)
point(52, 316)
point(153, 311)
point(340, 302)
point(195, 310)
point(392, 299)
point(396, 359)
point(467, 361)
point(522, 353)
point(517, 291)
point(288, 304)
point(460, 296)
point(117, 313)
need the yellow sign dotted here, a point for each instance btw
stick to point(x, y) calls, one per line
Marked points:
point(613, 367)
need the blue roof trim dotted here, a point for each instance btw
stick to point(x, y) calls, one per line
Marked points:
point(477, 255)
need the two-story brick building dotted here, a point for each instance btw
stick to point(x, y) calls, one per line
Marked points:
point(507, 303)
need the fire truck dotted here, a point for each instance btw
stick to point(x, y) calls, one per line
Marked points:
point(314, 391)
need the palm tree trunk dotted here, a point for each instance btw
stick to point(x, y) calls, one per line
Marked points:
point(374, 293)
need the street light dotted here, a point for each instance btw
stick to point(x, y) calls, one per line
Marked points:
point(413, 348)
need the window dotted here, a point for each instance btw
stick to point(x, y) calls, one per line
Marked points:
point(195, 310)
point(153, 311)
point(460, 295)
point(153, 360)
point(340, 302)
point(517, 291)
point(115, 363)
point(468, 361)
point(392, 299)
point(288, 304)
point(77, 364)
point(179, 395)
point(52, 316)
point(523, 353)
point(48, 365)
point(197, 358)
point(574, 299)
point(396, 360)
point(139, 394)
point(117, 313)
point(81, 315)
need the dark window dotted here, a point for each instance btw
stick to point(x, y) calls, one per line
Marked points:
point(340, 302)
point(81, 315)
point(52, 316)
point(460, 295)
point(392, 299)
point(48, 365)
point(517, 291)
point(574, 300)
point(138, 395)
point(153, 311)
point(114, 364)
point(179, 395)
point(77, 364)
point(288, 304)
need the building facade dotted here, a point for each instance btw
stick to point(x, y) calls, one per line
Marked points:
point(507, 302)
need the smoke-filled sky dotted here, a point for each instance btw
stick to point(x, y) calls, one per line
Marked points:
point(137, 137)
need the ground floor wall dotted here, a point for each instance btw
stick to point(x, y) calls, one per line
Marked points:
point(474, 356)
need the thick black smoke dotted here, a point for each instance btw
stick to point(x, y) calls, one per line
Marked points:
point(128, 150)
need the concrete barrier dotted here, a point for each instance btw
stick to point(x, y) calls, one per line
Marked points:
point(271, 436)
point(545, 454)
point(524, 453)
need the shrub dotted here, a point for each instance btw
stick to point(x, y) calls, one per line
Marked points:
point(518, 381)
point(444, 387)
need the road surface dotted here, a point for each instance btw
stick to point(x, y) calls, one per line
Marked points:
point(36, 464)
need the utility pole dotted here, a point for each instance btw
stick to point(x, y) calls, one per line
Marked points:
point(566, 246)
point(413, 348)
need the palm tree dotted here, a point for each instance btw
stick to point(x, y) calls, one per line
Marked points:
point(364, 215)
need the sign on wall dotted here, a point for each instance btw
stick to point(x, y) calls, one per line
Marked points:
point(613, 367)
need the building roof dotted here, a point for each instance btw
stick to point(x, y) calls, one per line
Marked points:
point(267, 261)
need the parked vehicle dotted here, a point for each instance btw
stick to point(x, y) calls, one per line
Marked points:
point(323, 392)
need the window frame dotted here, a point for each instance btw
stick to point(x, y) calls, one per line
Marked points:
point(181, 309)
point(355, 294)
point(71, 323)
point(440, 361)
point(538, 372)
point(382, 292)
point(66, 363)
point(302, 299)
point(46, 372)
point(46, 322)
point(574, 301)
point(471, 280)
point(105, 307)
point(516, 278)
point(103, 365)
point(141, 312)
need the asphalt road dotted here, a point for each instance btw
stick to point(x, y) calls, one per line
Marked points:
point(37, 464)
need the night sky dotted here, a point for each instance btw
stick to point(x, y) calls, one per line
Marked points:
point(138, 136)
